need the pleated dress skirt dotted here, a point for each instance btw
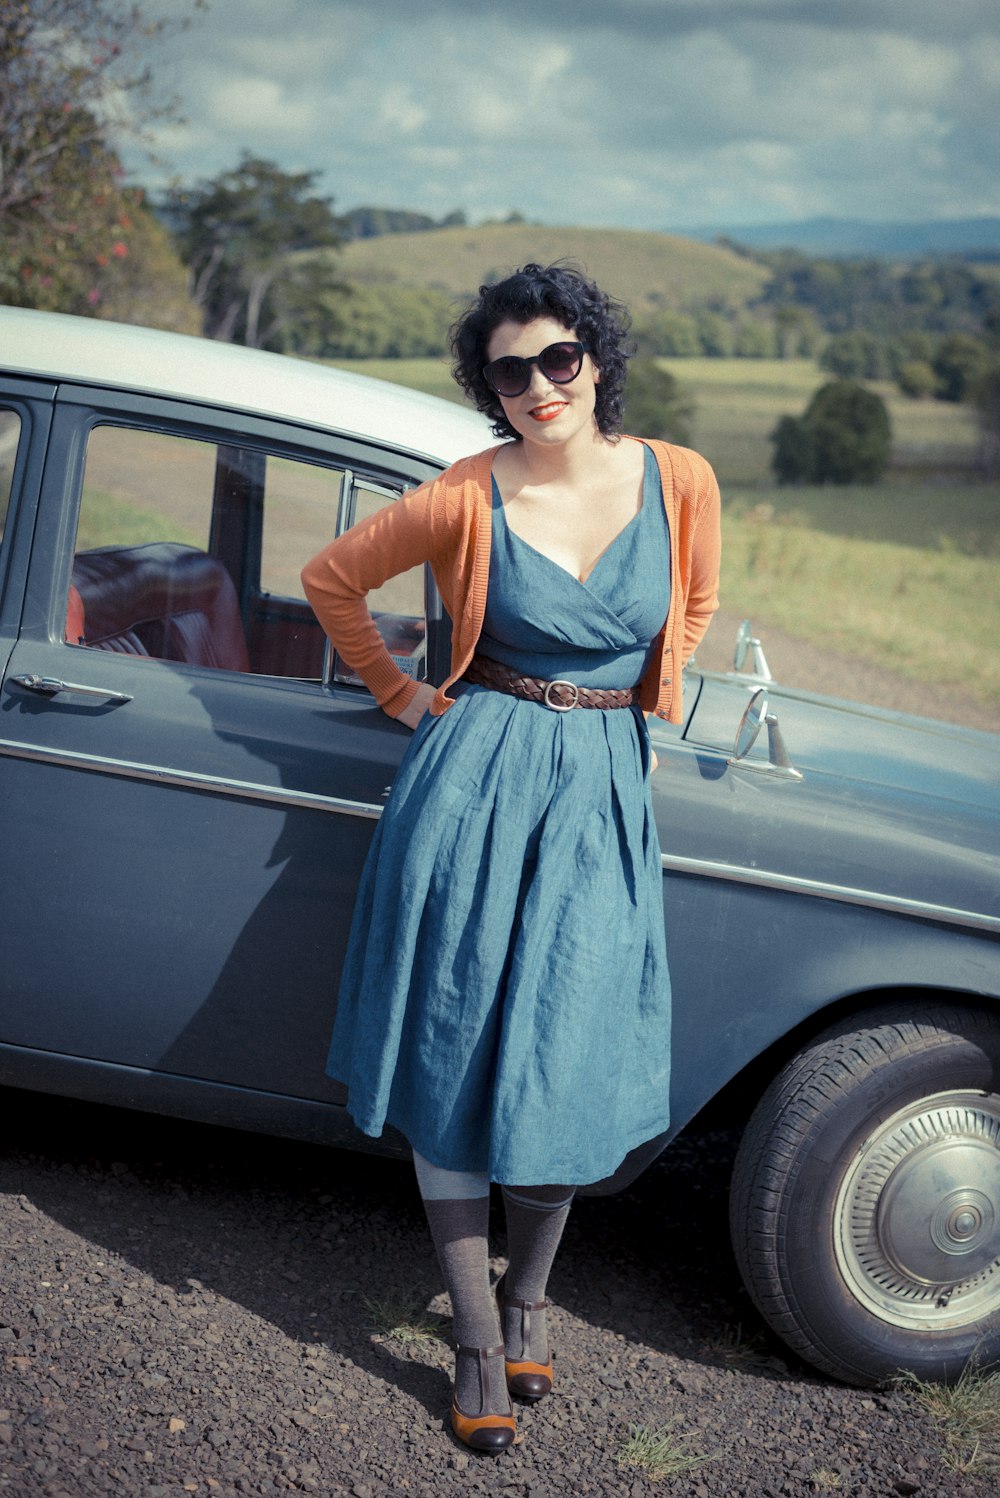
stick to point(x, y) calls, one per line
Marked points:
point(505, 998)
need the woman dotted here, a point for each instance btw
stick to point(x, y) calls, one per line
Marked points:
point(505, 1000)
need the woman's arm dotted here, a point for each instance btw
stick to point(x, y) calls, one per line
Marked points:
point(338, 579)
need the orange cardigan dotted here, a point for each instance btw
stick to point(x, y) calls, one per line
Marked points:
point(448, 523)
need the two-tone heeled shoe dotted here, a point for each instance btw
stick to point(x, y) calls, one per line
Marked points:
point(483, 1432)
point(526, 1379)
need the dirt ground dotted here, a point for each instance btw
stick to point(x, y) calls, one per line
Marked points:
point(187, 1310)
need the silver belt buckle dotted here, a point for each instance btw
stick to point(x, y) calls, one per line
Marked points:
point(561, 707)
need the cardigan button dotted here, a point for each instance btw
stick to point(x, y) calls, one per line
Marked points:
point(661, 712)
point(666, 681)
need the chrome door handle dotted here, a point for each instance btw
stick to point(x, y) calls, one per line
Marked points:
point(48, 686)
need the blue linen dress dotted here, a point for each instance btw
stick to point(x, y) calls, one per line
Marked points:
point(505, 999)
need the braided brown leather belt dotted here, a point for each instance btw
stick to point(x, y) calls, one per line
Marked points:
point(560, 696)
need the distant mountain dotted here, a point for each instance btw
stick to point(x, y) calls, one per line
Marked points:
point(972, 237)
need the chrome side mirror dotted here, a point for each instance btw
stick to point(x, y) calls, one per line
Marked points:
point(754, 718)
point(747, 643)
point(751, 723)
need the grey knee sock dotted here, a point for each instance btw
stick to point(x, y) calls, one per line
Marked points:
point(459, 1227)
point(459, 1231)
point(536, 1216)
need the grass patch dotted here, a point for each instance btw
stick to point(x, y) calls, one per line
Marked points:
point(967, 1417)
point(822, 566)
point(403, 1320)
point(825, 1478)
point(106, 520)
point(737, 1349)
point(660, 1452)
point(955, 518)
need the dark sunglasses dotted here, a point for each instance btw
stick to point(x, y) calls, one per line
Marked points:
point(511, 375)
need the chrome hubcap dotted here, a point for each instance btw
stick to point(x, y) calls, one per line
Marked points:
point(917, 1215)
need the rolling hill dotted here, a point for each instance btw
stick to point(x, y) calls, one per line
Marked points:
point(647, 271)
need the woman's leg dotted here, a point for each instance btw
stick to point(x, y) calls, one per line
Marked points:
point(536, 1216)
point(458, 1206)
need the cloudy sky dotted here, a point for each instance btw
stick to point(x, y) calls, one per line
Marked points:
point(638, 113)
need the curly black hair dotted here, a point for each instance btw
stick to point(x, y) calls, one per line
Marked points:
point(560, 291)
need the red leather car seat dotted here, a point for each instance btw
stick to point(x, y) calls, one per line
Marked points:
point(162, 599)
point(75, 625)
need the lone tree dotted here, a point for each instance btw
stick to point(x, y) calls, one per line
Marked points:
point(257, 243)
point(959, 363)
point(844, 437)
point(794, 459)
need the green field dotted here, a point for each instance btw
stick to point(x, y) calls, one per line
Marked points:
point(906, 574)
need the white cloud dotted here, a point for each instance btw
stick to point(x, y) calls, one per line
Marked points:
point(261, 105)
point(398, 112)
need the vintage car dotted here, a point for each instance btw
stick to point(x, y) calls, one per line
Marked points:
point(190, 778)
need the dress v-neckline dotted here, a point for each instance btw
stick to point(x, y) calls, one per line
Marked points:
point(580, 581)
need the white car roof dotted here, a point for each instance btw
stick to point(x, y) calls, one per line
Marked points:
point(89, 351)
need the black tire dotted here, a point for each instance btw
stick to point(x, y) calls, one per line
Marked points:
point(865, 1205)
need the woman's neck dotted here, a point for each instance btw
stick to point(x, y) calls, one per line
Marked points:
point(565, 463)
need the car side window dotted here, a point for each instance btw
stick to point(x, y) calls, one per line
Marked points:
point(190, 550)
point(10, 435)
point(299, 520)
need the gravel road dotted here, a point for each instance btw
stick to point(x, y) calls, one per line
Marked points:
point(187, 1310)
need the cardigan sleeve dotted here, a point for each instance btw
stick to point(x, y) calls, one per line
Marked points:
point(706, 552)
point(338, 579)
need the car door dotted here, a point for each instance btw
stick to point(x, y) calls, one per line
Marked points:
point(188, 800)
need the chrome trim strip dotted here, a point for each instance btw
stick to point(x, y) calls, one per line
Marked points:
point(190, 780)
point(703, 868)
point(897, 904)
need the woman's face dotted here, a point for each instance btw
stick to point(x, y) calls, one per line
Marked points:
point(547, 412)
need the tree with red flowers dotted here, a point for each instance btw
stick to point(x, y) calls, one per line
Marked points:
point(68, 81)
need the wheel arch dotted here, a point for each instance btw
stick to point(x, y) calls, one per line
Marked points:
point(732, 1105)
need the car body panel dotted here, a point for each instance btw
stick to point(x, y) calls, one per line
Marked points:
point(837, 822)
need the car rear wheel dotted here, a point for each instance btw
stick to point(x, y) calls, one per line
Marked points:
point(865, 1206)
